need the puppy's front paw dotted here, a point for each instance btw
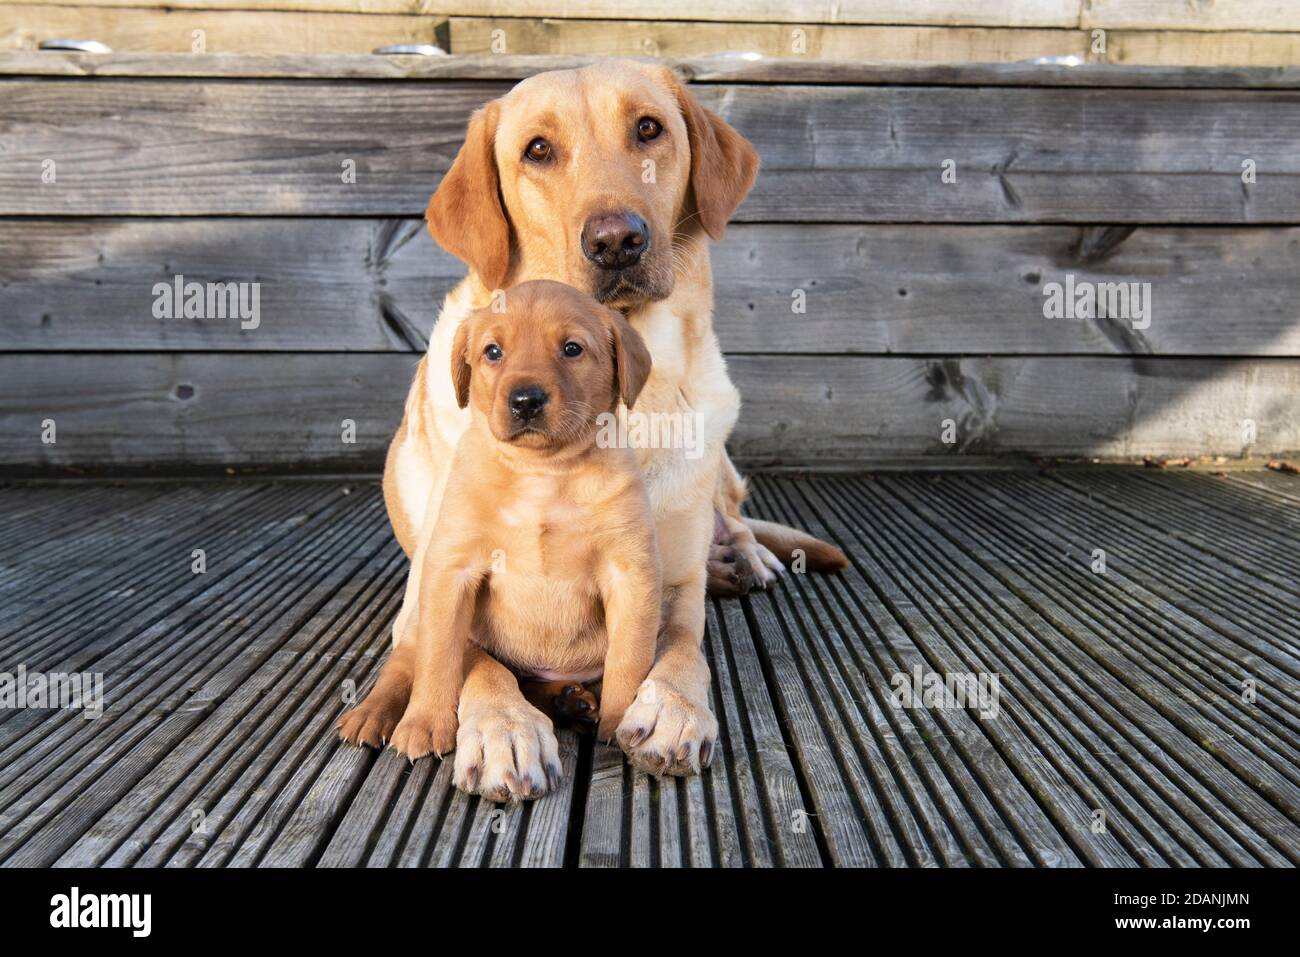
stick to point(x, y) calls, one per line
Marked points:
point(507, 754)
point(422, 733)
point(665, 732)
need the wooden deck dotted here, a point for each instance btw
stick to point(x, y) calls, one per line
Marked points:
point(1121, 692)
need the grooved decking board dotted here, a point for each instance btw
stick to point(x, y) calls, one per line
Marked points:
point(830, 153)
point(1121, 692)
point(208, 410)
point(342, 285)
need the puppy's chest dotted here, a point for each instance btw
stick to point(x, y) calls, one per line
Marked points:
point(542, 539)
point(541, 605)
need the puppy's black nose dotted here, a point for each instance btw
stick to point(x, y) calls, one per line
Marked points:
point(615, 240)
point(527, 402)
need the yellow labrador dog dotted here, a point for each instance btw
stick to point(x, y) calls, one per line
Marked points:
point(611, 179)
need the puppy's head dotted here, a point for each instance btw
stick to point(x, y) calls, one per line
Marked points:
point(541, 364)
point(591, 177)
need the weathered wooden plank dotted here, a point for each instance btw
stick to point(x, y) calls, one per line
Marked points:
point(1012, 638)
point(206, 409)
point(73, 629)
point(684, 40)
point(376, 285)
point(1219, 15)
point(85, 578)
point(1281, 484)
point(209, 410)
point(677, 39)
point(297, 690)
point(1224, 637)
point(1143, 731)
point(732, 774)
point(805, 410)
point(1260, 551)
point(123, 641)
point(1105, 641)
point(964, 626)
point(862, 784)
point(831, 153)
point(419, 790)
point(90, 628)
point(1235, 48)
point(24, 26)
point(396, 156)
point(717, 69)
point(1107, 710)
point(428, 826)
point(322, 284)
point(546, 840)
point(790, 830)
point(127, 750)
point(1012, 13)
point(602, 822)
point(955, 746)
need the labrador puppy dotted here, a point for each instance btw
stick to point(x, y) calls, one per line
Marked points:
point(546, 554)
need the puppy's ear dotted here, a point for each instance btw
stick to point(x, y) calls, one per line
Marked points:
point(465, 215)
point(460, 367)
point(631, 358)
point(724, 164)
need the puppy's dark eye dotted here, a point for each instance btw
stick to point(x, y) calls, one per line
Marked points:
point(648, 128)
point(538, 150)
point(493, 352)
point(572, 350)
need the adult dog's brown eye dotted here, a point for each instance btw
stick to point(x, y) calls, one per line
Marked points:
point(493, 352)
point(538, 150)
point(572, 350)
point(647, 128)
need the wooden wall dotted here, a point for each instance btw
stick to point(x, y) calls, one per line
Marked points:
point(925, 299)
point(1157, 32)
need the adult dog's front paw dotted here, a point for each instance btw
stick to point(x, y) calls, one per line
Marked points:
point(665, 732)
point(371, 723)
point(507, 754)
point(421, 733)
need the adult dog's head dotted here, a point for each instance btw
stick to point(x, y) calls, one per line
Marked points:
point(591, 177)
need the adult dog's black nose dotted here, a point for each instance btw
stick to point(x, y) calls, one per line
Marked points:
point(615, 240)
point(527, 402)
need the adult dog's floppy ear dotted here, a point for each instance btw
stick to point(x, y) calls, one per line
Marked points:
point(460, 368)
point(631, 358)
point(724, 164)
point(465, 215)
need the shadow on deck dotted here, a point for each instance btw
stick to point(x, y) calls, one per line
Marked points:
point(1148, 715)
